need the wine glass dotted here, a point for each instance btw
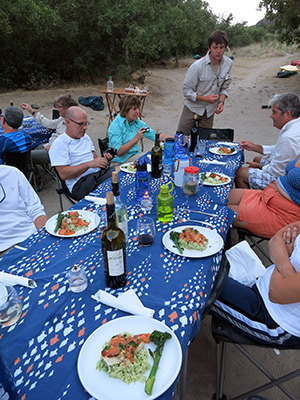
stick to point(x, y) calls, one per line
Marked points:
point(146, 231)
point(10, 306)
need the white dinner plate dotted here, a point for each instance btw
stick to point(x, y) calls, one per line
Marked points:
point(102, 387)
point(124, 168)
point(88, 216)
point(215, 242)
point(214, 150)
point(215, 184)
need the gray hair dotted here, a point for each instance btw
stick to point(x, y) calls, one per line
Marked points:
point(13, 116)
point(287, 102)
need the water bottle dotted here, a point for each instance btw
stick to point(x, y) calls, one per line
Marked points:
point(181, 162)
point(110, 84)
point(164, 203)
point(179, 142)
point(169, 154)
point(141, 179)
point(7, 386)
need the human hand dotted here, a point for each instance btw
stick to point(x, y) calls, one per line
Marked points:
point(253, 164)
point(212, 98)
point(289, 237)
point(25, 106)
point(220, 108)
point(47, 147)
point(140, 133)
point(247, 145)
point(100, 162)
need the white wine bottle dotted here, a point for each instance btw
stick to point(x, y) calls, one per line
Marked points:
point(113, 248)
point(120, 208)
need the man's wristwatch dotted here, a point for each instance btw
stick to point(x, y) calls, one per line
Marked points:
point(221, 101)
point(33, 112)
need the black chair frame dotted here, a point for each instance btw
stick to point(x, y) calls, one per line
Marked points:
point(103, 145)
point(62, 190)
point(255, 241)
point(223, 333)
point(23, 162)
point(225, 134)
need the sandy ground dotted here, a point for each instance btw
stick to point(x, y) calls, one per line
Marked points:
point(253, 85)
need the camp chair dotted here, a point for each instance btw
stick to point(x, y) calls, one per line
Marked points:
point(223, 333)
point(103, 145)
point(254, 241)
point(62, 190)
point(198, 132)
point(23, 162)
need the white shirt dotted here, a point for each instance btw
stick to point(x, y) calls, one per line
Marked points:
point(58, 124)
point(19, 209)
point(286, 149)
point(68, 151)
point(286, 315)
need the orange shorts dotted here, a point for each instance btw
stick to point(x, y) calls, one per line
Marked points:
point(266, 211)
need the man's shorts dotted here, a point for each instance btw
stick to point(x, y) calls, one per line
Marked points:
point(259, 179)
point(187, 120)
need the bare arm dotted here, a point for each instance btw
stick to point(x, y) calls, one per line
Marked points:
point(246, 145)
point(40, 221)
point(127, 146)
point(284, 283)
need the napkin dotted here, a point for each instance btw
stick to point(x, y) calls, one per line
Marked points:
point(127, 301)
point(96, 200)
point(9, 279)
point(232, 144)
point(207, 161)
point(245, 266)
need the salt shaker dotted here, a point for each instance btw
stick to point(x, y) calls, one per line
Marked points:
point(77, 279)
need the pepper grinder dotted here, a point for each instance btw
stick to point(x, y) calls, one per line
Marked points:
point(77, 279)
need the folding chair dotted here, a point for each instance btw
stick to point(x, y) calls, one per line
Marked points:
point(23, 162)
point(226, 135)
point(255, 241)
point(62, 190)
point(103, 145)
point(223, 332)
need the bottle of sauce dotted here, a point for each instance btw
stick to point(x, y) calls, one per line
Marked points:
point(113, 248)
point(120, 208)
point(156, 158)
point(164, 203)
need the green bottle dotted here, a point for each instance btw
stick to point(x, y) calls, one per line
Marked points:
point(164, 203)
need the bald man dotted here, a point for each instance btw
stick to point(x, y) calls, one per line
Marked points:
point(74, 157)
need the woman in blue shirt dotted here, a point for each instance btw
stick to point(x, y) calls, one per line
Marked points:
point(127, 130)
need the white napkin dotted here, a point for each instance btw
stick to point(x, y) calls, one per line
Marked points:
point(127, 301)
point(232, 144)
point(96, 200)
point(9, 279)
point(207, 161)
point(245, 266)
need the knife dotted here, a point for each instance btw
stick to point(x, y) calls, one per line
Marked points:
point(200, 212)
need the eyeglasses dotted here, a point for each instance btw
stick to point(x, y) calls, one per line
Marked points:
point(81, 124)
point(2, 193)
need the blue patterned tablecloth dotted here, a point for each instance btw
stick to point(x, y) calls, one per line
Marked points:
point(38, 133)
point(43, 347)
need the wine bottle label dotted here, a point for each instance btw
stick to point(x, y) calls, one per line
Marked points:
point(115, 261)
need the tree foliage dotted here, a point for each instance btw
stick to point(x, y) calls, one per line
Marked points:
point(50, 41)
point(285, 14)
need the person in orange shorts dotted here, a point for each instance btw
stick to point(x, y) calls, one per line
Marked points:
point(264, 212)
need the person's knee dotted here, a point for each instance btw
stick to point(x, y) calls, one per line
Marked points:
point(242, 177)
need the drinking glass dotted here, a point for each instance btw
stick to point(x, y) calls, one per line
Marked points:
point(200, 148)
point(146, 231)
point(103, 218)
point(10, 306)
point(167, 171)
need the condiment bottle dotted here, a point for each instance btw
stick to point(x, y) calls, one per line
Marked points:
point(141, 179)
point(156, 158)
point(191, 180)
point(113, 248)
point(120, 208)
point(164, 203)
point(77, 279)
point(181, 162)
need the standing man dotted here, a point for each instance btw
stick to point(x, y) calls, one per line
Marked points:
point(13, 140)
point(264, 170)
point(73, 154)
point(206, 84)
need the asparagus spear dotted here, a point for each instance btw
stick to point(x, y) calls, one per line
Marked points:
point(60, 218)
point(174, 236)
point(158, 338)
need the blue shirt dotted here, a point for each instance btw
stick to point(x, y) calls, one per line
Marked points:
point(121, 132)
point(14, 142)
point(291, 181)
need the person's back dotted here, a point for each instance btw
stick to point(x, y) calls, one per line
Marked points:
point(13, 140)
point(20, 208)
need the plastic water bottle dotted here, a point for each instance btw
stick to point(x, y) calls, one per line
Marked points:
point(169, 154)
point(141, 179)
point(110, 84)
point(179, 143)
point(164, 203)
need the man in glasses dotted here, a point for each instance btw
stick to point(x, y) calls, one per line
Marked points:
point(75, 159)
point(13, 140)
point(21, 212)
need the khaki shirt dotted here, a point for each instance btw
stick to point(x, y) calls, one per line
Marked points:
point(202, 79)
